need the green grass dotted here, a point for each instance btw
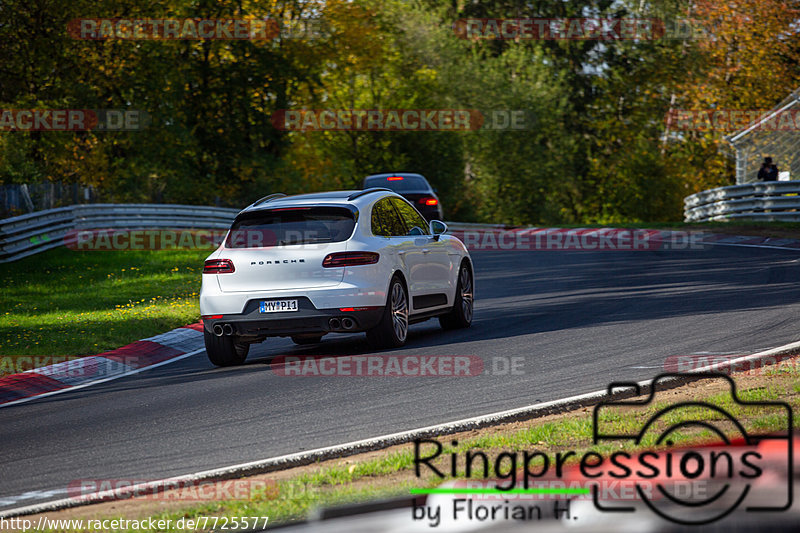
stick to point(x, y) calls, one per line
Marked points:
point(66, 303)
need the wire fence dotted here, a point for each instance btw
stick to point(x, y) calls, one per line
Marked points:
point(775, 134)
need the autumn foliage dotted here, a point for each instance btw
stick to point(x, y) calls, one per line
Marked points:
point(596, 150)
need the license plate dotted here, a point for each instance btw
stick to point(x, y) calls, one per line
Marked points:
point(278, 306)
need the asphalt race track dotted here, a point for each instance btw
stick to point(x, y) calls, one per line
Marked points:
point(579, 320)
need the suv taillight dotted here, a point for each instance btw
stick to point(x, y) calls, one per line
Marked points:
point(429, 201)
point(218, 266)
point(343, 259)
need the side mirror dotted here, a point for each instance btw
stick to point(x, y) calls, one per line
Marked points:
point(437, 227)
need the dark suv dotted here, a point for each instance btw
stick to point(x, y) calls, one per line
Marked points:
point(413, 187)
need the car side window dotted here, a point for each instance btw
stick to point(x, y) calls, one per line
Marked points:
point(415, 224)
point(385, 220)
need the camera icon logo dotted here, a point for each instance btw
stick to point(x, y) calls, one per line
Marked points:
point(699, 484)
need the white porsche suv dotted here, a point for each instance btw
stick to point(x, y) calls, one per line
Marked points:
point(346, 261)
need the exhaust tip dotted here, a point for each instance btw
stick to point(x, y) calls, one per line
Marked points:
point(227, 329)
point(335, 323)
point(348, 323)
point(217, 329)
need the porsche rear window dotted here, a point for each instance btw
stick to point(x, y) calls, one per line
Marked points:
point(291, 226)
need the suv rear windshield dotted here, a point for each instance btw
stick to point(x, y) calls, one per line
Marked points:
point(291, 225)
point(398, 183)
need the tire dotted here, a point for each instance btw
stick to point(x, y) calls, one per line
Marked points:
point(225, 351)
point(392, 330)
point(461, 315)
point(307, 340)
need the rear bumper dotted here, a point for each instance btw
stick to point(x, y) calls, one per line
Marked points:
point(306, 320)
point(370, 292)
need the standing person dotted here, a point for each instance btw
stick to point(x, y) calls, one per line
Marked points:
point(768, 171)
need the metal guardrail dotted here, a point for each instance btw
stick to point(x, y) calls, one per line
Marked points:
point(30, 234)
point(776, 200)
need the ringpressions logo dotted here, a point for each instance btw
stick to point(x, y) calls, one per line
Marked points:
point(639, 462)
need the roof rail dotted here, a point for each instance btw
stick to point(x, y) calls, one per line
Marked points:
point(371, 190)
point(268, 198)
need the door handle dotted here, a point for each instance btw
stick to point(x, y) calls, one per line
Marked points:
point(425, 251)
point(401, 252)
